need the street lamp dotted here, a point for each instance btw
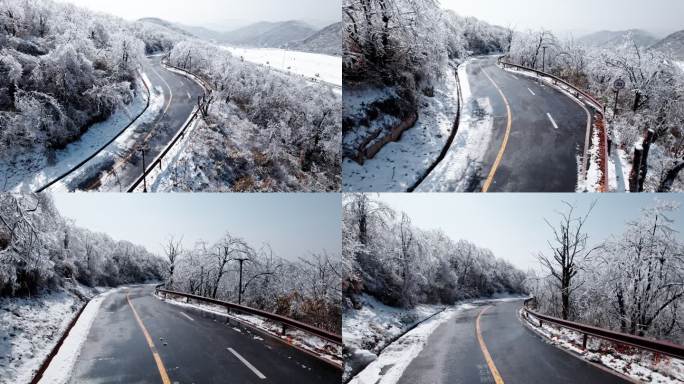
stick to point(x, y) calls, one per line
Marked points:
point(241, 260)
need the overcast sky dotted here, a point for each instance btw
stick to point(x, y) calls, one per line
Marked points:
point(660, 16)
point(293, 224)
point(213, 12)
point(512, 225)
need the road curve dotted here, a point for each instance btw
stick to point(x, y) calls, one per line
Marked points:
point(538, 134)
point(454, 355)
point(192, 347)
point(124, 166)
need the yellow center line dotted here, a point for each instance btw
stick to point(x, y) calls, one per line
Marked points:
point(485, 351)
point(157, 359)
point(492, 172)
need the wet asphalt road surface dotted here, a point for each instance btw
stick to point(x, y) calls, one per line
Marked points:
point(547, 133)
point(453, 354)
point(194, 347)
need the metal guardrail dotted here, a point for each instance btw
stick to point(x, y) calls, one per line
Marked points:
point(158, 160)
point(657, 346)
point(595, 103)
point(285, 321)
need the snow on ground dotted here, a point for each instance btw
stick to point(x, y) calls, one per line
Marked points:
point(311, 65)
point(59, 370)
point(33, 171)
point(638, 365)
point(304, 340)
point(464, 160)
point(368, 330)
point(593, 179)
point(399, 165)
point(30, 328)
point(390, 365)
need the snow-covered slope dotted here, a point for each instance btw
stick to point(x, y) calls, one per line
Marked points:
point(326, 41)
point(672, 45)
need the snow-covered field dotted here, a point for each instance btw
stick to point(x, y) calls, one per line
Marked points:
point(399, 165)
point(318, 346)
point(311, 65)
point(637, 365)
point(31, 327)
point(32, 170)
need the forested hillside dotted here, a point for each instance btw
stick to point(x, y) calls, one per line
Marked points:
point(41, 250)
point(63, 69)
point(389, 258)
point(263, 130)
point(307, 289)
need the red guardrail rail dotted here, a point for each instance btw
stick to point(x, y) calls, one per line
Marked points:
point(285, 321)
point(657, 346)
point(600, 108)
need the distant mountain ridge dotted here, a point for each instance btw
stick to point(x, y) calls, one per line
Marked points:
point(296, 35)
point(270, 34)
point(672, 45)
point(607, 39)
point(328, 41)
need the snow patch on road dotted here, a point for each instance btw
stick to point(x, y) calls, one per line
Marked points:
point(399, 165)
point(390, 365)
point(59, 370)
point(463, 163)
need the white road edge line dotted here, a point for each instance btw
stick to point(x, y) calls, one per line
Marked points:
point(552, 121)
point(514, 76)
point(533, 94)
point(245, 362)
point(188, 317)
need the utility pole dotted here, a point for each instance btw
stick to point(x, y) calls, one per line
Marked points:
point(241, 260)
point(144, 167)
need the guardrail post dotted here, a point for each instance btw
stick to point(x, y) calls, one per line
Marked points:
point(187, 300)
point(584, 342)
point(283, 331)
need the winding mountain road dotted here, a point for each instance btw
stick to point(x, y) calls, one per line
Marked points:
point(537, 137)
point(138, 338)
point(116, 166)
point(456, 353)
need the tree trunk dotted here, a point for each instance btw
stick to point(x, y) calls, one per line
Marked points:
point(670, 177)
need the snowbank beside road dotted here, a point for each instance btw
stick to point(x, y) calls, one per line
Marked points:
point(390, 365)
point(637, 365)
point(370, 329)
point(59, 370)
point(30, 328)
